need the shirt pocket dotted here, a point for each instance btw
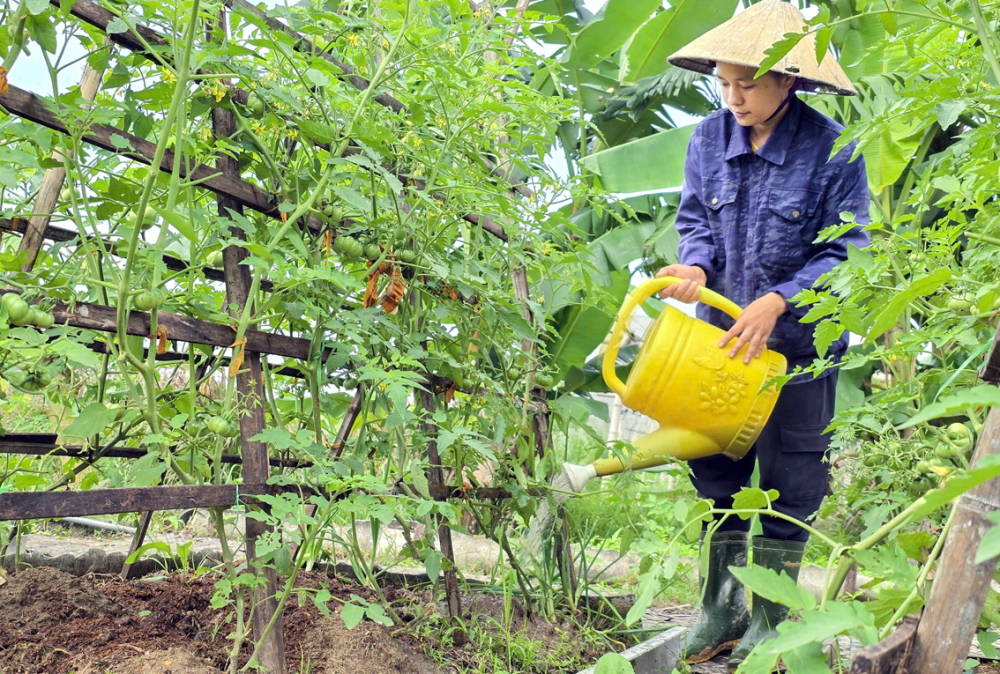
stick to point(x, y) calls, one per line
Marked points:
point(782, 244)
point(719, 196)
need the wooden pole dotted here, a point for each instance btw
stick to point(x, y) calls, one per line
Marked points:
point(958, 594)
point(250, 387)
point(436, 479)
point(137, 539)
point(951, 616)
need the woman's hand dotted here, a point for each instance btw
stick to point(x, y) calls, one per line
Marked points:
point(755, 325)
point(690, 289)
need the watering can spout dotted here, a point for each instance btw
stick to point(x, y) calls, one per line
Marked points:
point(665, 445)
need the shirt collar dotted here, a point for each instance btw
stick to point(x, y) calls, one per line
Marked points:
point(776, 147)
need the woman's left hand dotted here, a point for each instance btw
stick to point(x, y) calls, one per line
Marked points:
point(755, 325)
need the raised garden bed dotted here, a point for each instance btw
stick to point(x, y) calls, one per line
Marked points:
point(54, 623)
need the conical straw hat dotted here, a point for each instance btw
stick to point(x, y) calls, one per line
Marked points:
point(743, 39)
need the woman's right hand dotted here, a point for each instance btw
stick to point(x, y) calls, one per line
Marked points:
point(689, 290)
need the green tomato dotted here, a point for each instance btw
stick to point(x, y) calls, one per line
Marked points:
point(357, 250)
point(349, 247)
point(255, 104)
point(148, 218)
point(332, 212)
point(373, 251)
point(17, 308)
point(960, 435)
point(222, 426)
point(149, 299)
point(544, 380)
point(343, 243)
point(350, 384)
point(41, 319)
point(33, 382)
point(215, 259)
point(960, 305)
point(407, 256)
point(943, 451)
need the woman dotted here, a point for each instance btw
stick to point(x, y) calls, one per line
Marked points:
point(759, 186)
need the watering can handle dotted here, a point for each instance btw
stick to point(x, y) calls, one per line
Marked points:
point(638, 296)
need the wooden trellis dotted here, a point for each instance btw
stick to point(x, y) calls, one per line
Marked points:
point(937, 641)
point(232, 194)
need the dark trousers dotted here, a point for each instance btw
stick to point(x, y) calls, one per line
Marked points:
point(792, 451)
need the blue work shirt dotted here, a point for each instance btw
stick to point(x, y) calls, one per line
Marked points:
point(750, 220)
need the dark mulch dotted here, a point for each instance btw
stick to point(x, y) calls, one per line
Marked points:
point(55, 623)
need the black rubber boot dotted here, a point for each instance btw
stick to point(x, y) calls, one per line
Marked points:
point(766, 616)
point(723, 617)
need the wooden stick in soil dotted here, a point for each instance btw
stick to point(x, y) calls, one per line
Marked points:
point(958, 594)
point(250, 387)
point(137, 539)
point(52, 184)
point(436, 479)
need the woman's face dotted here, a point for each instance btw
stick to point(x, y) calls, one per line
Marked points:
point(751, 101)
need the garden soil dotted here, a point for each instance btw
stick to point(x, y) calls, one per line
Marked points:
point(55, 623)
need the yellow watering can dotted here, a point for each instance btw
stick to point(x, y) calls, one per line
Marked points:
point(706, 403)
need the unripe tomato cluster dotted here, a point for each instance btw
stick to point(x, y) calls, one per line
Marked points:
point(927, 456)
point(21, 313)
point(33, 381)
point(222, 426)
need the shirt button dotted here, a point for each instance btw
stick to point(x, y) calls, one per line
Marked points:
point(715, 201)
point(795, 214)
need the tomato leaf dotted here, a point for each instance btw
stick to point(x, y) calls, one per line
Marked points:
point(924, 285)
point(983, 395)
point(779, 588)
point(179, 222)
point(823, 36)
point(751, 498)
point(778, 51)
point(819, 624)
point(613, 663)
point(432, 564)
point(376, 613)
point(93, 419)
point(352, 614)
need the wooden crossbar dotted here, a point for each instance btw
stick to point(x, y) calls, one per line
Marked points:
point(48, 504)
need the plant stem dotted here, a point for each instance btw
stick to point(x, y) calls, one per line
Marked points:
point(985, 37)
point(17, 33)
point(124, 285)
point(846, 561)
point(982, 237)
point(922, 577)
